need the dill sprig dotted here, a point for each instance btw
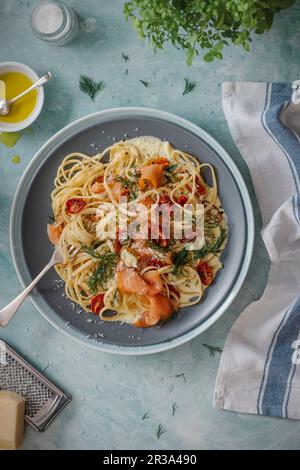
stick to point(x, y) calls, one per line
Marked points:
point(156, 246)
point(213, 247)
point(184, 256)
point(171, 168)
point(189, 86)
point(160, 431)
point(145, 416)
point(125, 57)
point(212, 349)
point(91, 251)
point(180, 258)
point(103, 272)
point(145, 83)
point(128, 184)
point(90, 87)
point(175, 406)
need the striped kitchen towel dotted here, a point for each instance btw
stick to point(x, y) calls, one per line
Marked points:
point(259, 370)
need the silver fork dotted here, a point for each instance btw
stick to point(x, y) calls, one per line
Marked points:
point(8, 312)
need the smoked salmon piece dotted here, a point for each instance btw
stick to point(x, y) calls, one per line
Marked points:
point(54, 233)
point(131, 282)
point(160, 310)
point(153, 278)
point(97, 186)
point(152, 174)
point(150, 286)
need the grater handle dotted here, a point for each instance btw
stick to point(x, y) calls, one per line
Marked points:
point(7, 313)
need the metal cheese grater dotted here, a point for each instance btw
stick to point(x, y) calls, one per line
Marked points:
point(43, 399)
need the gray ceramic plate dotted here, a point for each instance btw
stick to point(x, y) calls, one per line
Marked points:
point(31, 249)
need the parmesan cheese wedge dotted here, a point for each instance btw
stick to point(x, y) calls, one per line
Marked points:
point(12, 408)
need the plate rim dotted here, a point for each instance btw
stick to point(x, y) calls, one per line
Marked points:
point(230, 164)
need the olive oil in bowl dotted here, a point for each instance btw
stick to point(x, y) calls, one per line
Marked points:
point(16, 83)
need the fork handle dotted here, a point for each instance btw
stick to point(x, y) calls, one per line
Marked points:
point(8, 312)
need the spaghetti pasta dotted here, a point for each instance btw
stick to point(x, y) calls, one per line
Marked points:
point(127, 275)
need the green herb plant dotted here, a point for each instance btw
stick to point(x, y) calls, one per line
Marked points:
point(209, 25)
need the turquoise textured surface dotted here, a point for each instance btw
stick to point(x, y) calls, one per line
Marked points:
point(111, 394)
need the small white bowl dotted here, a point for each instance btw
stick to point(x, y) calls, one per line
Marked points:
point(18, 67)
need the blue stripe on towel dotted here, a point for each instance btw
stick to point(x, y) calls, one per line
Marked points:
point(281, 369)
point(268, 362)
point(278, 94)
point(273, 397)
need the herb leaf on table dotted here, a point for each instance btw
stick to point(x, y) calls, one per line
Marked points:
point(88, 86)
point(189, 86)
point(175, 406)
point(160, 431)
point(181, 375)
point(145, 83)
point(125, 57)
point(212, 349)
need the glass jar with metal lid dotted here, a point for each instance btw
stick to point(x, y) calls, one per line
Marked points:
point(54, 22)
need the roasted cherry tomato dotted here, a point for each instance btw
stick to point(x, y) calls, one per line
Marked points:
point(206, 273)
point(159, 161)
point(164, 199)
point(74, 205)
point(148, 201)
point(182, 200)
point(200, 189)
point(97, 303)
